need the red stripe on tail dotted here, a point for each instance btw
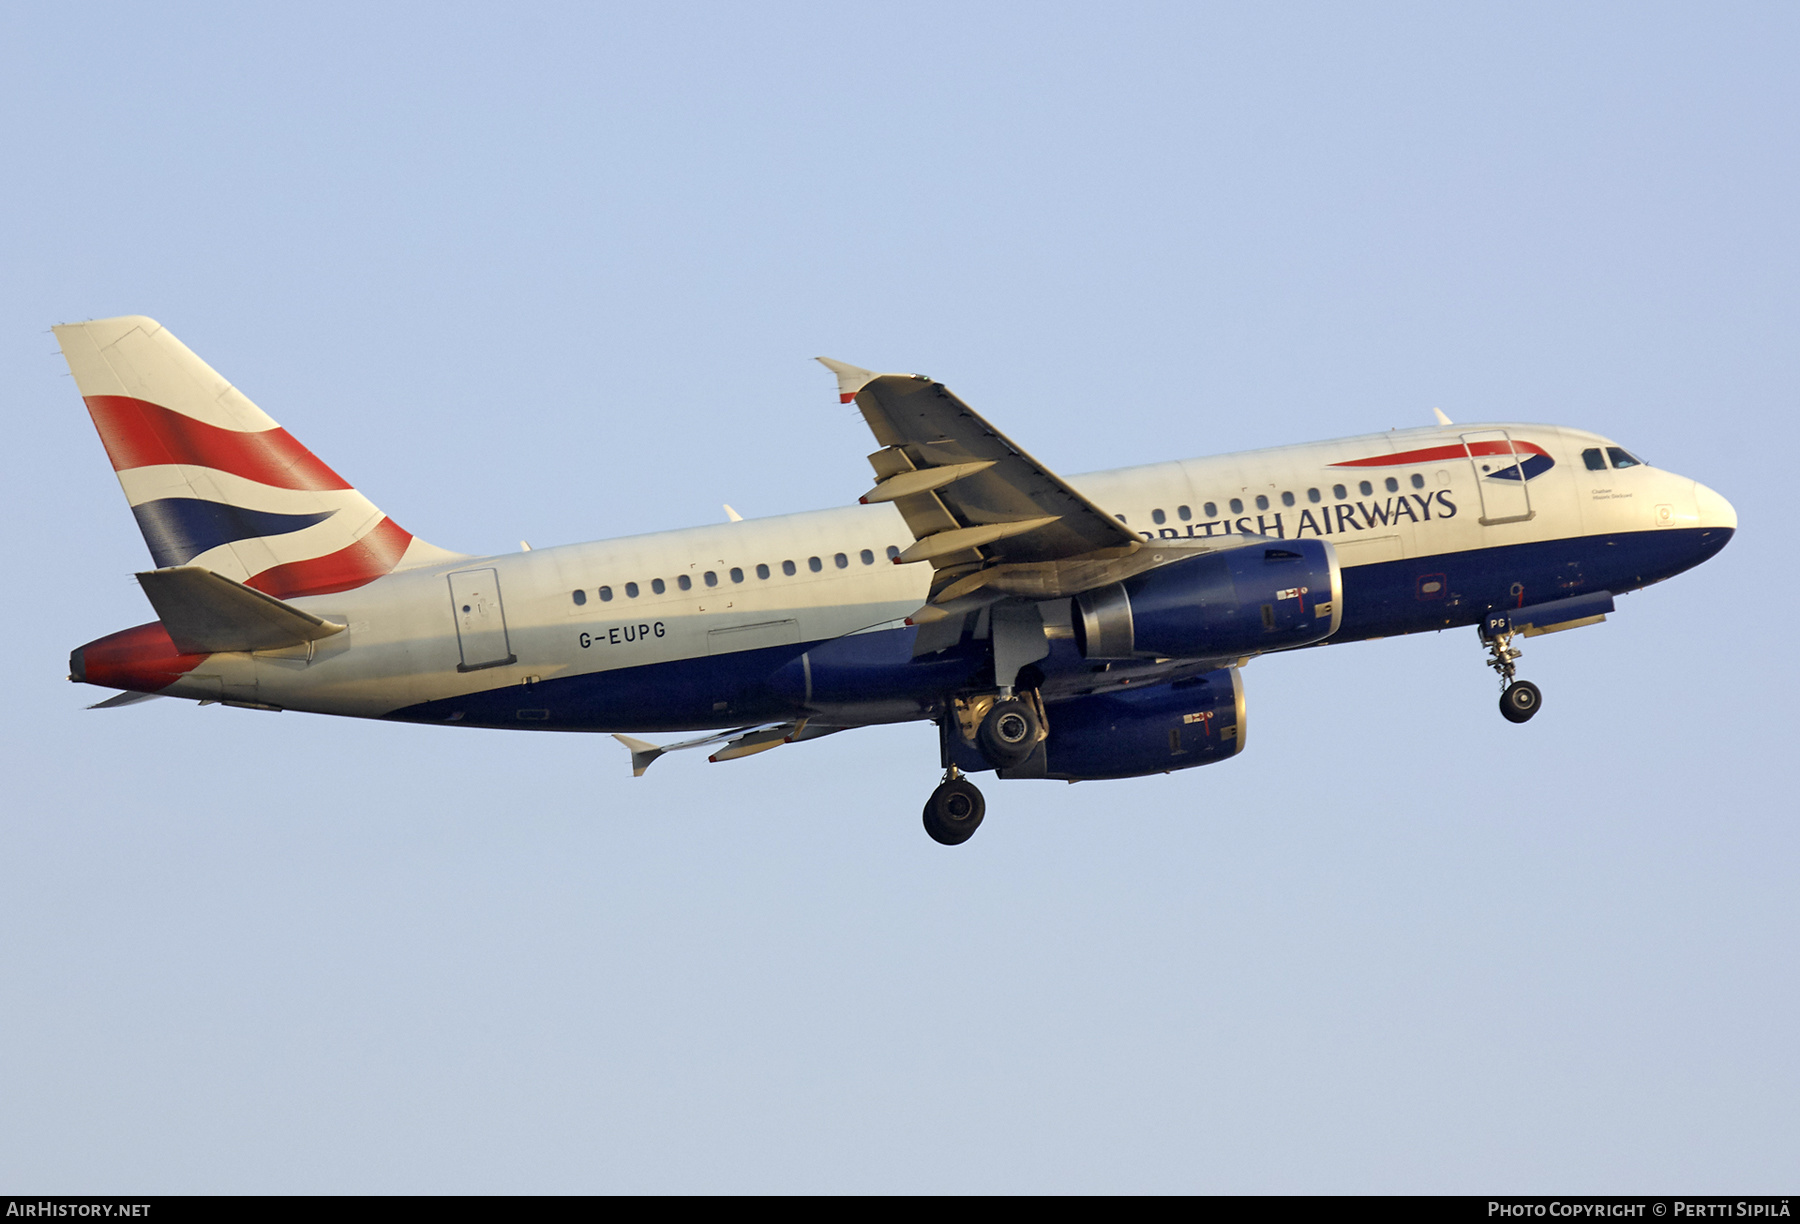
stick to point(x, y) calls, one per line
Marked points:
point(377, 553)
point(137, 433)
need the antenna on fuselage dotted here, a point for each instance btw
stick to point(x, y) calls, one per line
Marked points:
point(1441, 418)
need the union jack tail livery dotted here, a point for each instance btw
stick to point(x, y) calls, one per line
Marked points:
point(213, 481)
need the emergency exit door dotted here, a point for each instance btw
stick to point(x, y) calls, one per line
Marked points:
point(480, 620)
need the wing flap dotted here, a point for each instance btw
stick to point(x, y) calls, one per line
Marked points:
point(903, 484)
point(962, 539)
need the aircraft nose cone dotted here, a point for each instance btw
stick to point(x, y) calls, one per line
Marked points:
point(1713, 510)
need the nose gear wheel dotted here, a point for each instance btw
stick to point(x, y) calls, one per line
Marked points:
point(1519, 699)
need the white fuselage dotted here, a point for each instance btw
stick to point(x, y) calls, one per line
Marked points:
point(566, 611)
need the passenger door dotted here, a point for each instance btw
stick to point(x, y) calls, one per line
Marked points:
point(480, 620)
point(1499, 476)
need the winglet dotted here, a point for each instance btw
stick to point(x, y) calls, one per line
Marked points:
point(643, 755)
point(851, 379)
point(1441, 418)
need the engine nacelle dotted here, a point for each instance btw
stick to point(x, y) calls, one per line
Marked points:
point(1241, 601)
point(1155, 729)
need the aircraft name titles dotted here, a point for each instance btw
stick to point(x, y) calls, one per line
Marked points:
point(1339, 519)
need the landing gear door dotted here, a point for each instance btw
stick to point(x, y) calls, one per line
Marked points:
point(480, 620)
point(1499, 476)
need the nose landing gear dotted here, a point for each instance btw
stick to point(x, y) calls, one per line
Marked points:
point(1520, 699)
point(955, 809)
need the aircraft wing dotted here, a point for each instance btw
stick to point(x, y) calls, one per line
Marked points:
point(971, 497)
point(738, 742)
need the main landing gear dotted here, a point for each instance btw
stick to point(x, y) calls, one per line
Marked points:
point(1520, 699)
point(1006, 731)
point(1009, 734)
point(955, 809)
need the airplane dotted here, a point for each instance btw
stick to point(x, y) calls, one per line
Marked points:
point(1081, 628)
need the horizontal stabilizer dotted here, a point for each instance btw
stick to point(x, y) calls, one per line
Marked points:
point(206, 612)
point(123, 699)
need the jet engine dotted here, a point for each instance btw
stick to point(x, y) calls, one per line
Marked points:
point(1155, 729)
point(1265, 596)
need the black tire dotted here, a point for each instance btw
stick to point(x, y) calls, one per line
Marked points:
point(1520, 701)
point(954, 812)
point(1009, 734)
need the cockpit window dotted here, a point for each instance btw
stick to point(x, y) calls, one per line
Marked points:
point(1596, 462)
point(1622, 458)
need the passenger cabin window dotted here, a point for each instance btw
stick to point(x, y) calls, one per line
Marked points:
point(1596, 462)
point(580, 598)
point(1313, 495)
point(605, 594)
point(631, 590)
point(1262, 503)
point(762, 571)
point(787, 567)
point(737, 575)
point(657, 587)
point(1287, 499)
point(1237, 505)
point(1418, 481)
point(1366, 488)
point(1158, 517)
point(868, 557)
point(1393, 486)
point(893, 552)
point(1339, 492)
point(684, 582)
point(841, 561)
point(1622, 458)
point(712, 579)
point(1183, 513)
point(814, 564)
point(1210, 510)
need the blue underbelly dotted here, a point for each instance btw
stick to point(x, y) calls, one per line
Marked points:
point(1454, 589)
point(748, 686)
point(878, 670)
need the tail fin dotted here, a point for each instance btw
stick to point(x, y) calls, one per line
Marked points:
point(213, 481)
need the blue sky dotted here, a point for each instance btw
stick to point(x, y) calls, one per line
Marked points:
point(557, 273)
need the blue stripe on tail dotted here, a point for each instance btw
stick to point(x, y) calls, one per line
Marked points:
point(178, 529)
